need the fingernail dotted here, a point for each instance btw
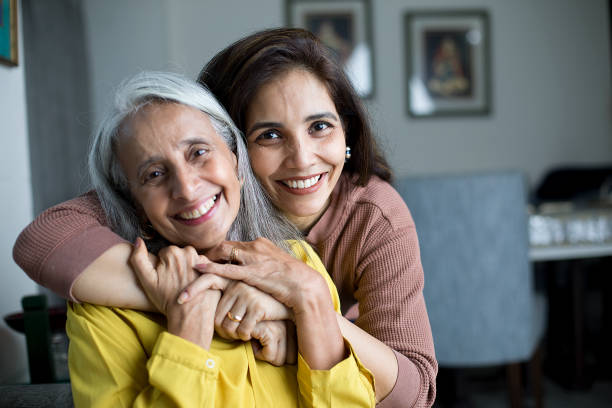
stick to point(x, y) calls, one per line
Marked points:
point(201, 266)
point(137, 243)
point(182, 298)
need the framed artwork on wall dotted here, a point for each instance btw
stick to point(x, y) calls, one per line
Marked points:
point(8, 32)
point(345, 27)
point(447, 63)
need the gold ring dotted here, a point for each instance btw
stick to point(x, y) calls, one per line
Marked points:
point(233, 318)
point(233, 253)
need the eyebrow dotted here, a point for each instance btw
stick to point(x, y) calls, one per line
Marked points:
point(185, 142)
point(262, 125)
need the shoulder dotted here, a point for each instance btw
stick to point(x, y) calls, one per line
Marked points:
point(85, 203)
point(380, 202)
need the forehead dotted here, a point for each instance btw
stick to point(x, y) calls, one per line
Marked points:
point(159, 124)
point(296, 94)
point(162, 131)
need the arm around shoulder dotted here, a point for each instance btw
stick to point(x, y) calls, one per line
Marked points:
point(63, 241)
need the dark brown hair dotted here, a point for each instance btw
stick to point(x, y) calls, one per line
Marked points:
point(236, 73)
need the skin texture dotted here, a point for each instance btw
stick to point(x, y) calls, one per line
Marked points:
point(175, 162)
point(295, 133)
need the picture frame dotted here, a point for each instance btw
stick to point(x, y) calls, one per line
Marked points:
point(8, 32)
point(447, 63)
point(345, 27)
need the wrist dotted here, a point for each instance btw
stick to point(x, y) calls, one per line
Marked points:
point(194, 320)
point(312, 297)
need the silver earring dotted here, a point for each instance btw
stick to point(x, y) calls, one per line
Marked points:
point(347, 155)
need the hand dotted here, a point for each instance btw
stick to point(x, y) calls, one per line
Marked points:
point(246, 302)
point(173, 271)
point(162, 283)
point(263, 265)
point(251, 305)
point(275, 342)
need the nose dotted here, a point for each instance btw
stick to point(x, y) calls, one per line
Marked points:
point(184, 184)
point(301, 152)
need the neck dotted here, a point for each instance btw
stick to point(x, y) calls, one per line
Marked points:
point(304, 224)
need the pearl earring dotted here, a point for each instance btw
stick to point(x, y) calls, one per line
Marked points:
point(347, 155)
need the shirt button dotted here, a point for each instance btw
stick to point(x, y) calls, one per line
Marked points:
point(210, 363)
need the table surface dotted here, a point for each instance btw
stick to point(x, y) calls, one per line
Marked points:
point(563, 252)
point(571, 234)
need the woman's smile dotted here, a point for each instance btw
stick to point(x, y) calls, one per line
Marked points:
point(296, 144)
point(303, 185)
point(181, 173)
point(200, 214)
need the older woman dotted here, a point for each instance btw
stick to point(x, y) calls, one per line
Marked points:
point(312, 149)
point(169, 160)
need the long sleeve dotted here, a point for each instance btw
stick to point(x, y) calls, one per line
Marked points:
point(368, 242)
point(402, 309)
point(121, 357)
point(347, 384)
point(110, 365)
point(62, 241)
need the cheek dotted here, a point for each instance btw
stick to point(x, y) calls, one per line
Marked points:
point(263, 163)
point(149, 205)
point(336, 150)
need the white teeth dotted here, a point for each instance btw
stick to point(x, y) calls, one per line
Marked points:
point(302, 183)
point(198, 212)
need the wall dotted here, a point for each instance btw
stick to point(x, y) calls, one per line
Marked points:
point(551, 91)
point(123, 37)
point(16, 210)
point(550, 72)
point(550, 62)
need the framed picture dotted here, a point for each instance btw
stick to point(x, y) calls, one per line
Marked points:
point(345, 27)
point(447, 61)
point(8, 32)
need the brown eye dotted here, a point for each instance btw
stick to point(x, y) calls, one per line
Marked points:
point(154, 174)
point(268, 137)
point(320, 126)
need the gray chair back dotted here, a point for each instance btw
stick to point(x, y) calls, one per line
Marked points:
point(479, 287)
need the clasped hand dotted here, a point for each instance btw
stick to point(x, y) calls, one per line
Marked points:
point(196, 305)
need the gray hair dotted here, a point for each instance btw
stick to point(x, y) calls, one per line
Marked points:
point(257, 216)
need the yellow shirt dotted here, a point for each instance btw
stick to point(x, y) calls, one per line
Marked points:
point(120, 357)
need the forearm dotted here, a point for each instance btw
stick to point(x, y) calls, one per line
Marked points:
point(320, 340)
point(110, 281)
point(374, 354)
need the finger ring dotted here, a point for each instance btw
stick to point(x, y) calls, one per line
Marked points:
point(233, 253)
point(233, 318)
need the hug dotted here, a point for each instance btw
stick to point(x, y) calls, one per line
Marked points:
point(215, 258)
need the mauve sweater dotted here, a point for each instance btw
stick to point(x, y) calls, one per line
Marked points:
point(366, 239)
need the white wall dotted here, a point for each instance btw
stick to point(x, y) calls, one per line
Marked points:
point(550, 63)
point(551, 91)
point(16, 210)
point(124, 37)
point(550, 71)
